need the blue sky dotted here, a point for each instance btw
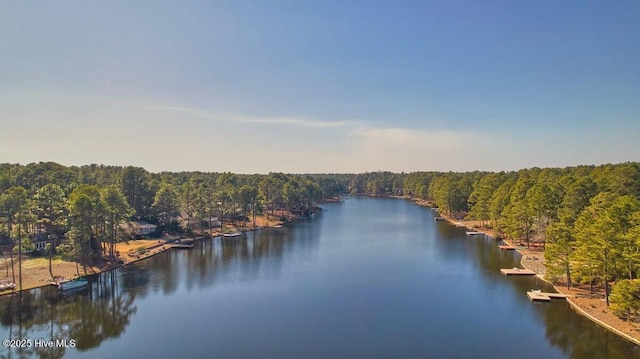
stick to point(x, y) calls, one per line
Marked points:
point(320, 86)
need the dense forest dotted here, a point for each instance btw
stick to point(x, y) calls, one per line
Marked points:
point(83, 208)
point(587, 218)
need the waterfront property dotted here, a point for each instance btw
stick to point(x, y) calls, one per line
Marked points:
point(362, 280)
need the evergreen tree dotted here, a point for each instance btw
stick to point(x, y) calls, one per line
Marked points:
point(165, 203)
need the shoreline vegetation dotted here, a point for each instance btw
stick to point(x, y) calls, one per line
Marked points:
point(576, 227)
point(36, 274)
point(582, 300)
point(59, 222)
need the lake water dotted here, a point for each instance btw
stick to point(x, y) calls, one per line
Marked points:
point(366, 278)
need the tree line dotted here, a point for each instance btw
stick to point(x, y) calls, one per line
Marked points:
point(586, 218)
point(84, 207)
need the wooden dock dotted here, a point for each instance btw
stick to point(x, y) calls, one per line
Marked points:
point(557, 295)
point(544, 296)
point(538, 297)
point(507, 248)
point(517, 271)
point(182, 246)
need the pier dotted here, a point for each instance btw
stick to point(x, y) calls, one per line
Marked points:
point(536, 296)
point(517, 271)
point(182, 246)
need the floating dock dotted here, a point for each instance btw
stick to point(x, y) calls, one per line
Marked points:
point(507, 248)
point(517, 271)
point(536, 296)
point(182, 246)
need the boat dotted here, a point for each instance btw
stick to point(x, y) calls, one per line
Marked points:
point(77, 283)
point(438, 219)
point(6, 285)
point(474, 233)
point(230, 235)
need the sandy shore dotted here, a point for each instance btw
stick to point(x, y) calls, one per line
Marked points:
point(35, 271)
point(590, 305)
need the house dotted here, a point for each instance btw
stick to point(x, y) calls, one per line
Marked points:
point(41, 239)
point(142, 228)
point(138, 229)
point(213, 222)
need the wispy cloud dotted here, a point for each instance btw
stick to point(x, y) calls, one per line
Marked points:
point(402, 149)
point(358, 146)
point(274, 120)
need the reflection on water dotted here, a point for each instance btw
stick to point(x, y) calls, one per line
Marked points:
point(578, 337)
point(88, 316)
point(368, 278)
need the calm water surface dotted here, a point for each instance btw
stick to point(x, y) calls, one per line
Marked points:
point(367, 278)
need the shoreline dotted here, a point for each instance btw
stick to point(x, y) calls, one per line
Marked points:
point(577, 308)
point(159, 246)
point(528, 264)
